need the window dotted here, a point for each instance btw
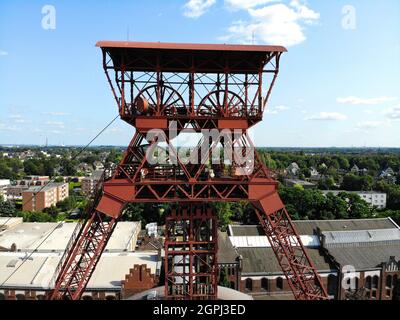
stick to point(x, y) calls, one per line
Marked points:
point(232, 285)
point(368, 282)
point(20, 297)
point(389, 281)
point(249, 284)
point(373, 293)
point(264, 284)
point(279, 283)
point(110, 297)
point(394, 281)
point(332, 284)
point(375, 281)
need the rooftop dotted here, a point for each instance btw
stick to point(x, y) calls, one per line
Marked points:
point(263, 261)
point(173, 57)
point(226, 251)
point(361, 237)
point(47, 187)
point(358, 192)
point(53, 237)
point(309, 227)
point(38, 270)
point(364, 257)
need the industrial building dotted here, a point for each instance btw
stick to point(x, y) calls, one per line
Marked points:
point(350, 255)
point(30, 253)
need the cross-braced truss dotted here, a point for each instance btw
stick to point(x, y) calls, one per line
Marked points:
point(202, 89)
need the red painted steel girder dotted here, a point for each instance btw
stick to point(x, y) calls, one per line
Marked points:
point(191, 246)
point(135, 180)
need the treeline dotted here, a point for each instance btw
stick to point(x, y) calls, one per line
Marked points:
point(65, 165)
point(373, 162)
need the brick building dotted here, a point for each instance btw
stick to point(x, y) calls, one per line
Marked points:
point(90, 183)
point(37, 198)
point(352, 257)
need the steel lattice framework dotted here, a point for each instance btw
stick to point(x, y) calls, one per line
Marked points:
point(213, 92)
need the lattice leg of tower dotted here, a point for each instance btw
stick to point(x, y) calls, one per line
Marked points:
point(298, 268)
point(191, 253)
point(81, 256)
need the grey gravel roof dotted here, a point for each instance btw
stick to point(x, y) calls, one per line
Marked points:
point(365, 257)
point(308, 227)
point(258, 261)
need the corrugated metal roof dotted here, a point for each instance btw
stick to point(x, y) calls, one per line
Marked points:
point(309, 227)
point(262, 241)
point(361, 237)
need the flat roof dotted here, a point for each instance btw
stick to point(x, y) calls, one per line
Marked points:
point(189, 46)
point(47, 187)
point(38, 270)
point(53, 236)
point(186, 57)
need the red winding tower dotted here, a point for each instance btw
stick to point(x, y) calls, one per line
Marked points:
point(203, 90)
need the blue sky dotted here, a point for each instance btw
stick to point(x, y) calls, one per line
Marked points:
point(339, 83)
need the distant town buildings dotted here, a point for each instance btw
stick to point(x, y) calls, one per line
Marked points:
point(293, 170)
point(303, 183)
point(89, 183)
point(37, 198)
point(4, 184)
point(374, 198)
point(388, 175)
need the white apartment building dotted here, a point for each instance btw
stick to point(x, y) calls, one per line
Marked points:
point(4, 184)
point(374, 198)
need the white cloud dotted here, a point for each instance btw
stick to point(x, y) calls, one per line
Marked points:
point(3, 53)
point(333, 116)
point(276, 109)
point(369, 101)
point(58, 124)
point(56, 113)
point(246, 4)
point(278, 24)
point(196, 8)
point(368, 111)
point(367, 125)
point(393, 113)
point(15, 116)
point(281, 108)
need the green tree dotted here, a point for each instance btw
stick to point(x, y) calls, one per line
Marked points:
point(7, 208)
point(224, 214)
